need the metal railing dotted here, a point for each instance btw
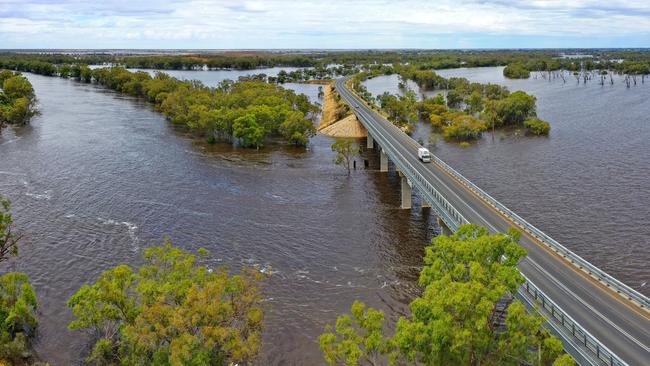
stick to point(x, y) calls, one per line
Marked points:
point(557, 318)
point(573, 258)
point(579, 262)
point(444, 209)
point(565, 325)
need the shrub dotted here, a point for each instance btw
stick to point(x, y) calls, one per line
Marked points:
point(463, 128)
point(516, 71)
point(537, 126)
point(436, 121)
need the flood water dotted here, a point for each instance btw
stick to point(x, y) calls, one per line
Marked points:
point(98, 176)
point(587, 184)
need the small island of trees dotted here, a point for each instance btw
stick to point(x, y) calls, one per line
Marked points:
point(516, 71)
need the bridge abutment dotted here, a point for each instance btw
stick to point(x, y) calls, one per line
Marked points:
point(383, 161)
point(406, 192)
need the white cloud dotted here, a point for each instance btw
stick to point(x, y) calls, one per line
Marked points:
point(311, 23)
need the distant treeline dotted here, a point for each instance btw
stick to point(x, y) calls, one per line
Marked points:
point(533, 60)
point(214, 62)
point(629, 68)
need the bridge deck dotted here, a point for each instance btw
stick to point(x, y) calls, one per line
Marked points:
point(618, 324)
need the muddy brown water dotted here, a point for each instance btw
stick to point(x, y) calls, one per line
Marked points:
point(98, 176)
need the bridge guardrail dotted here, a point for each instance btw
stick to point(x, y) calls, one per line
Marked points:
point(559, 318)
point(568, 325)
point(456, 219)
point(575, 259)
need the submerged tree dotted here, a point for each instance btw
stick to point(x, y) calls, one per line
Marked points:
point(8, 238)
point(454, 321)
point(345, 150)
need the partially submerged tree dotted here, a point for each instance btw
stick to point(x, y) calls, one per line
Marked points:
point(454, 321)
point(17, 99)
point(345, 150)
point(8, 238)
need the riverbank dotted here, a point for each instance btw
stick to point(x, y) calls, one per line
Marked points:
point(337, 120)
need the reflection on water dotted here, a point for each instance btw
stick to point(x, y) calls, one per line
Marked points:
point(98, 176)
point(586, 184)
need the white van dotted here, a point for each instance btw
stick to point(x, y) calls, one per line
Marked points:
point(424, 155)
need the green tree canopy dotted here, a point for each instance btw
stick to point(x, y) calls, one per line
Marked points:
point(514, 109)
point(172, 311)
point(537, 126)
point(345, 150)
point(516, 70)
point(17, 86)
point(455, 320)
point(17, 99)
point(18, 302)
point(249, 131)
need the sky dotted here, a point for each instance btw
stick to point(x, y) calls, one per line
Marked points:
point(331, 24)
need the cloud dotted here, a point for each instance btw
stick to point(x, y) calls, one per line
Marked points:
point(318, 24)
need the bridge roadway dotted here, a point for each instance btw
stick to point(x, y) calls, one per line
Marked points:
point(620, 325)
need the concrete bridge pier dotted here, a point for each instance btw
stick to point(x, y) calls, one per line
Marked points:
point(444, 229)
point(370, 143)
point(383, 161)
point(406, 192)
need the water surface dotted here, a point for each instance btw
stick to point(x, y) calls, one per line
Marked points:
point(99, 176)
point(586, 184)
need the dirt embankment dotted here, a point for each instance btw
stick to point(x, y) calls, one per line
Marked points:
point(337, 119)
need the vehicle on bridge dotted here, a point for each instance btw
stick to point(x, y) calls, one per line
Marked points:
point(424, 155)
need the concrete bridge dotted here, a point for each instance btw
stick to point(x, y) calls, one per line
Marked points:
point(600, 320)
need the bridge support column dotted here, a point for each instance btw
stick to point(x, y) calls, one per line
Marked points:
point(425, 204)
point(444, 229)
point(370, 143)
point(383, 161)
point(406, 193)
